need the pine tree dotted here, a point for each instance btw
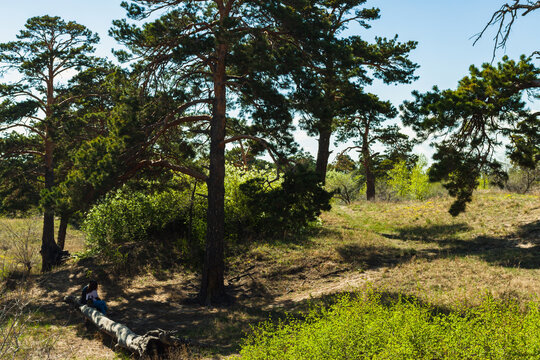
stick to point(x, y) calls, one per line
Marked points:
point(472, 120)
point(332, 70)
point(47, 51)
point(365, 127)
point(215, 53)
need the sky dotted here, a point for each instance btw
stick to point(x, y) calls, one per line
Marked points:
point(443, 29)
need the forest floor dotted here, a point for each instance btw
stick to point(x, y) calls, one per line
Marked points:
point(411, 249)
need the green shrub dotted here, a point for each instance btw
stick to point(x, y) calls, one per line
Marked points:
point(344, 185)
point(172, 219)
point(130, 220)
point(285, 209)
point(412, 183)
point(419, 185)
point(365, 327)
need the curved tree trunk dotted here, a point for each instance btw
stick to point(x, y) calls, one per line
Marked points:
point(213, 286)
point(61, 240)
point(323, 153)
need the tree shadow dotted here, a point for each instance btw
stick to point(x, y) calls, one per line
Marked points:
point(434, 232)
point(372, 257)
point(520, 249)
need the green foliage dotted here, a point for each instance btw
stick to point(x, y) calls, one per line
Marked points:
point(398, 179)
point(471, 121)
point(142, 218)
point(146, 213)
point(483, 182)
point(419, 186)
point(410, 183)
point(344, 185)
point(366, 327)
point(288, 208)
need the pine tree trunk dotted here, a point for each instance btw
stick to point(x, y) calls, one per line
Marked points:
point(61, 240)
point(370, 183)
point(50, 252)
point(368, 164)
point(212, 286)
point(323, 153)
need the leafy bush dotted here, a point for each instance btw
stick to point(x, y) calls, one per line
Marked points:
point(344, 185)
point(172, 219)
point(288, 208)
point(419, 185)
point(398, 179)
point(412, 183)
point(366, 328)
point(131, 219)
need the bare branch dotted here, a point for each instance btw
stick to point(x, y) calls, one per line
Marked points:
point(505, 18)
point(33, 129)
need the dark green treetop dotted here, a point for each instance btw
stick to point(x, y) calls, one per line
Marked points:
point(471, 122)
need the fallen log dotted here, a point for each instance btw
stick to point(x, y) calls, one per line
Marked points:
point(153, 343)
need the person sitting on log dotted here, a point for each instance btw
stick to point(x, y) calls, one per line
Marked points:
point(92, 298)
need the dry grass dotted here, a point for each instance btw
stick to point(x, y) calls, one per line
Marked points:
point(20, 242)
point(410, 248)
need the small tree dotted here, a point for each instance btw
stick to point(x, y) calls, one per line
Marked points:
point(471, 121)
point(365, 127)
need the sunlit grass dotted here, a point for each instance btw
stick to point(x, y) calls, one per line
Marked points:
point(20, 243)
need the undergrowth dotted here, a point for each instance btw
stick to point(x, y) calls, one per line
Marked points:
point(365, 326)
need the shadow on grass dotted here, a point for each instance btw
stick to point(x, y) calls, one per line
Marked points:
point(372, 257)
point(429, 232)
point(520, 249)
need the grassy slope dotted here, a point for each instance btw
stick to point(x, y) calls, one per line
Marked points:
point(411, 248)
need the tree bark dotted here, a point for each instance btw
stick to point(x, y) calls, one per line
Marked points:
point(323, 153)
point(370, 183)
point(212, 285)
point(368, 166)
point(61, 240)
point(153, 343)
point(50, 252)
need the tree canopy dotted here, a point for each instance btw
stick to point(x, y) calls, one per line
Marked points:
point(472, 121)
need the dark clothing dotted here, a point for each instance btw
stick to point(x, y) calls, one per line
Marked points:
point(83, 295)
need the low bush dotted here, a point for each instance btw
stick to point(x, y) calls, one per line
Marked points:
point(365, 327)
point(345, 185)
point(285, 209)
point(172, 220)
point(130, 223)
point(412, 183)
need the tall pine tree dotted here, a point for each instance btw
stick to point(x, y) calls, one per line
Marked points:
point(47, 52)
point(218, 53)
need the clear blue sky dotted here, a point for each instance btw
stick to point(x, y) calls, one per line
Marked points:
point(443, 30)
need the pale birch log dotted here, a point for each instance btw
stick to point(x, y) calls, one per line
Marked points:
point(154, 341)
